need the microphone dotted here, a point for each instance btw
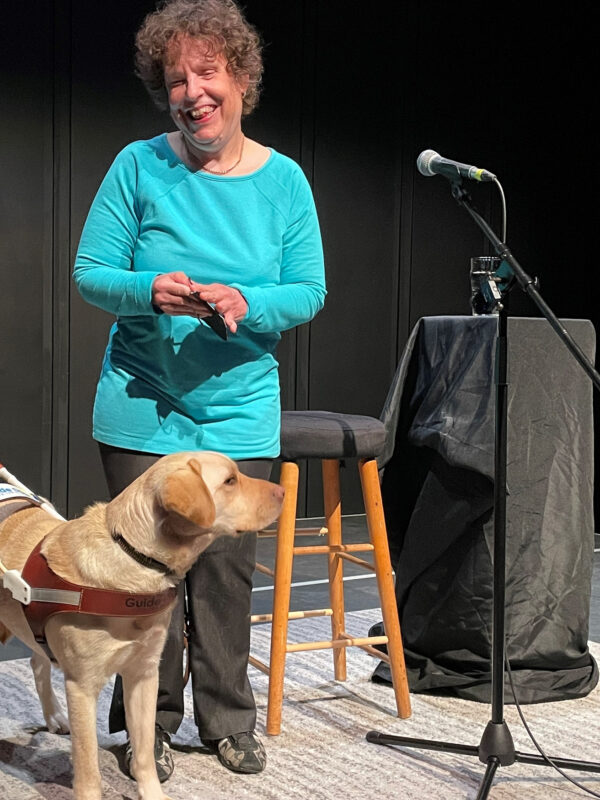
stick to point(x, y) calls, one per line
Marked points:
point(431, 163)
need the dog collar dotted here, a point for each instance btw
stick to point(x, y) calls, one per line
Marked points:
point(141, 558)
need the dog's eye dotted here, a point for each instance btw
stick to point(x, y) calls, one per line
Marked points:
point(231, 481)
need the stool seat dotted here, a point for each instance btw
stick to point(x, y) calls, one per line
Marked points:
point(328, 434)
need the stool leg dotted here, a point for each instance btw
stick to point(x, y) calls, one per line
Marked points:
point(284, 556)
point(369, 477)
point(333, 520)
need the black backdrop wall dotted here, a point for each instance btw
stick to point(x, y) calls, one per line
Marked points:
point(354, 92)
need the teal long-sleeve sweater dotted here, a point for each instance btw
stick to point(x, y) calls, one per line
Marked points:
point(169, 383)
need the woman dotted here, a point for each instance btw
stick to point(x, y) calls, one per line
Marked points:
point(201, 215)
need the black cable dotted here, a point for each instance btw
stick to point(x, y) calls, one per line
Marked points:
point(533, 739)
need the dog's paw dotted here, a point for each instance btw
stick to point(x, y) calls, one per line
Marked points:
point(58, 723)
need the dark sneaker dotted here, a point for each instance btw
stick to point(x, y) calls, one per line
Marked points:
point(162, 755)
point(240, 752)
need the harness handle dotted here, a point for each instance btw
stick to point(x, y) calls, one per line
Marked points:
point(11, 578)
point(8, 477)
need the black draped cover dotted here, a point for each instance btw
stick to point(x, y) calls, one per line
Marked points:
point(438, 497)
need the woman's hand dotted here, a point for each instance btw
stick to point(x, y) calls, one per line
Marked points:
point(171, 293)
point(228, 301)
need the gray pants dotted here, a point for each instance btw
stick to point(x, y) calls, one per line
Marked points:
point(216, 595)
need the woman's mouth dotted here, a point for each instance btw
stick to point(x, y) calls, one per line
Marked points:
point(202, 113)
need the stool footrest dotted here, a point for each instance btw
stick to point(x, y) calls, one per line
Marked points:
point(332, 549)
point(269, 532)
point(315, 612)
point(372, 651)
point(264, 569)
point(334, 643)
point(359, 561)
point(258, 664)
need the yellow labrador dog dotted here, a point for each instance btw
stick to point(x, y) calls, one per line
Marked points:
point(170, 514)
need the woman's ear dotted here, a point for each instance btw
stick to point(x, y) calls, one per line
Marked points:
point(243, 81)
point(185, 493)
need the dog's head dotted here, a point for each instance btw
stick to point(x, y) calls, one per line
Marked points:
point(209, 490)
point(194, 492)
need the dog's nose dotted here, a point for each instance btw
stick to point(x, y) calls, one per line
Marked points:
point(279, 492)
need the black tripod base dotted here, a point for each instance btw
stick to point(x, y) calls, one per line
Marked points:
point(496, 749)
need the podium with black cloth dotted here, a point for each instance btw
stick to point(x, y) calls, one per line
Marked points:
point(437, 490)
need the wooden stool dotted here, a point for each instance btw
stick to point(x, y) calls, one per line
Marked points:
point(331, 437)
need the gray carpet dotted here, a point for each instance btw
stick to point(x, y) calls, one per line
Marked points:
point(321, 753)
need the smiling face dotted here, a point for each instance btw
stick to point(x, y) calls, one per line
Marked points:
point(205, 99)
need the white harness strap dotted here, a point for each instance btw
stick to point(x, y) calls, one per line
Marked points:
point(10, 493)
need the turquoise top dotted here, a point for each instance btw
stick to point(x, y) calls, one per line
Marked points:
point(169, 383)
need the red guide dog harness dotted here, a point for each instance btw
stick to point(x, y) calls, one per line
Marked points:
point(52, 594)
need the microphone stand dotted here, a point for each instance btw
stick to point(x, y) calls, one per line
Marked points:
point(496, 747)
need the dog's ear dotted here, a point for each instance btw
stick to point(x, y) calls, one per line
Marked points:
point(186, 493)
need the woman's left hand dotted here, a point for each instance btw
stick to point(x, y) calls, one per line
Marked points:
point(228, 301)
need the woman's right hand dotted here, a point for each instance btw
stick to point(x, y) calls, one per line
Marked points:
point(171, 293)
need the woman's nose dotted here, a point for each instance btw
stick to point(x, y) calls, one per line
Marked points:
point(194, 87)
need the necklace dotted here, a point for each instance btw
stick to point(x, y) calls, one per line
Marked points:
point(193, 157)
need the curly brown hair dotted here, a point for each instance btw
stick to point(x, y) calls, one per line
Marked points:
point(218, 22)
